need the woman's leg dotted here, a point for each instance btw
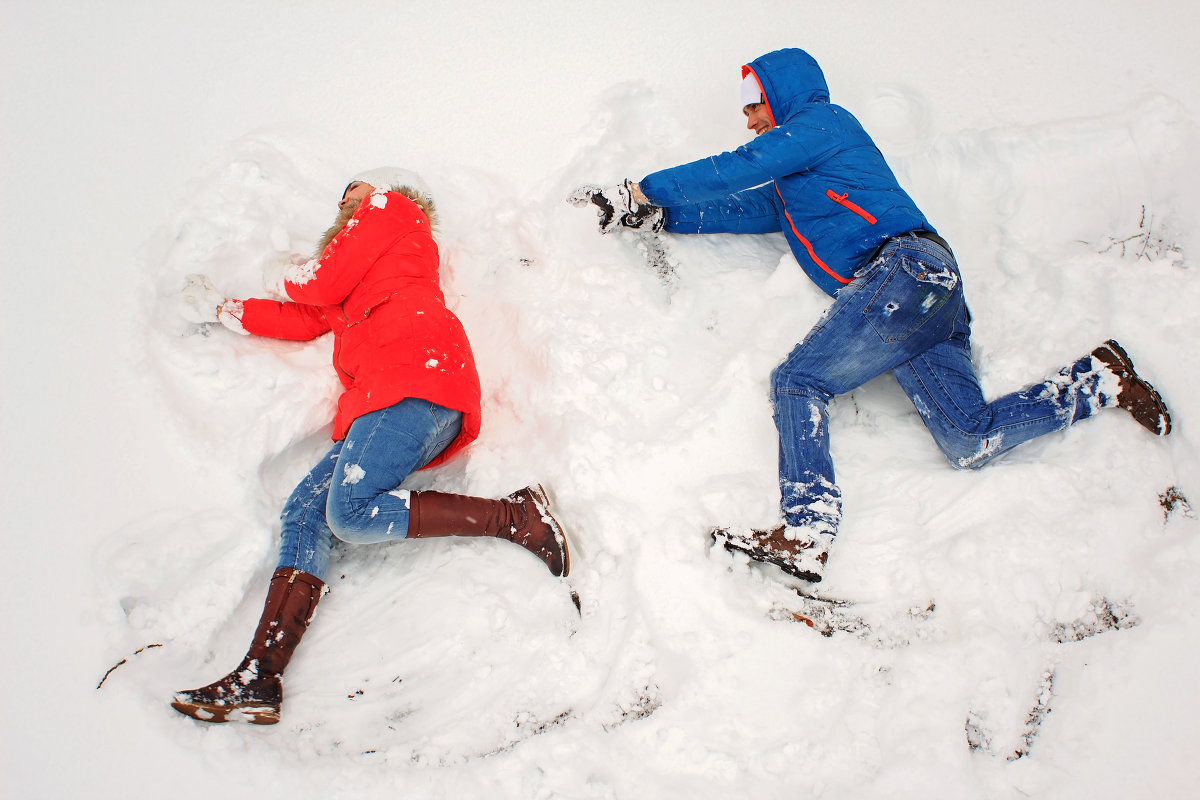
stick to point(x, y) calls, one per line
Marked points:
point(388, 444)
point(365, 503)
point(305, 537)
point(253, 691)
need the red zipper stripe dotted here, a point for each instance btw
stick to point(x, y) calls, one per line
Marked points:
point(841, 200)
point(808, 245)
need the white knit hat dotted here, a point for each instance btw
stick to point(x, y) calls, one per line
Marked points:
point(751, 91)
point(387, 178)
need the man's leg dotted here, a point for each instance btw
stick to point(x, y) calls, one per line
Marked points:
point(902, 304)
point(943, 386)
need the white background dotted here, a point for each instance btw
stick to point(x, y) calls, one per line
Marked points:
point(147, 462)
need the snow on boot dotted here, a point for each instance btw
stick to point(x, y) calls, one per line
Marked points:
point(254, 691)
point(1134, 394)
point(539, 533)
point(244, 694)
point(797, 551)
point(523, 518)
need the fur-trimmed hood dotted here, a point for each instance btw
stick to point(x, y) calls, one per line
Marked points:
point(405, 182)
point(389, 179)
point(421, 199)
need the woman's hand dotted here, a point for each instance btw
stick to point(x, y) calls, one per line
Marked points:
point(200, 301)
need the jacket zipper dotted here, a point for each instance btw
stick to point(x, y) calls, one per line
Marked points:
point(808, 245)
point(841, 200)
point(337, 351)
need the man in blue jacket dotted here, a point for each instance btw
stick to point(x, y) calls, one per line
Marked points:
point(813, 173)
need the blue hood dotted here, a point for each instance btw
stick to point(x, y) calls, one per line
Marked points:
point(790, 79)
point(817, 177)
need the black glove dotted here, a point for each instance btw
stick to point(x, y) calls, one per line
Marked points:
point(618, 208)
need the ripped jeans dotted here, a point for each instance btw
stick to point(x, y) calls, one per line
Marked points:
point(905, 313)
point(353, 492)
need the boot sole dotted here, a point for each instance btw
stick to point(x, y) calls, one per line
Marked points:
point(255, 715)
point(541, 499)
point(1160, 405)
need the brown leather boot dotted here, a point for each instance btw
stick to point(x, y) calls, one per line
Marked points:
point(254, 691)
point(523, 518)
point(1134, 394)
point(796, 551)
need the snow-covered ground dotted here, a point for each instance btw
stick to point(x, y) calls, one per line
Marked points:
point(1053, 144)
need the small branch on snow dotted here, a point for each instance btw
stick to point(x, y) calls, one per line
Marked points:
point(111, 669)
point(1153, 245)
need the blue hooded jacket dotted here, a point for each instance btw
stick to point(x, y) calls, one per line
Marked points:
point(816, 176)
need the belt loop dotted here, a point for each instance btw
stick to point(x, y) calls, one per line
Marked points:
point(930, 236)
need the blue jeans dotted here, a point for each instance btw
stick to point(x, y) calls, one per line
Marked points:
point(905, 313)
point(353, 492)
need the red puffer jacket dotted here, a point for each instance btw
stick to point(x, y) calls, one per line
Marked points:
point(376, 287)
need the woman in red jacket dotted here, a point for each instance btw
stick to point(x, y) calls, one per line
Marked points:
point(411, 401)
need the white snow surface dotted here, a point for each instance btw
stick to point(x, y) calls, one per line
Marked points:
point(1054, 145)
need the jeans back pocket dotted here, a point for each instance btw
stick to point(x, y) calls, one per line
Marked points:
point(912, 295)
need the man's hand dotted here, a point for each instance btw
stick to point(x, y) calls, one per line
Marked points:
point(619, 208)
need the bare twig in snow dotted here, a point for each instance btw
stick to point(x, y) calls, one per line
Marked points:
point(111, 669)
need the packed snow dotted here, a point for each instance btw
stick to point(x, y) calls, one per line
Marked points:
point(1028, 629)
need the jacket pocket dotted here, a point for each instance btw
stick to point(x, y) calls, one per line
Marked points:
point(844, 201)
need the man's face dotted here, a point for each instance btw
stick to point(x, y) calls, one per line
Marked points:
point(758, 118)
point(357, 190)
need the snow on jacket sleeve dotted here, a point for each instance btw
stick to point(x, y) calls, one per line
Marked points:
point(785, 150)
point(368, 234)
point(751, 211)
point(295, 321)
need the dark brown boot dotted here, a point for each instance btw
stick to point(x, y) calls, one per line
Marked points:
point(796, 551)
point(523, 517)
point(254, 691)
point(1134, 395)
